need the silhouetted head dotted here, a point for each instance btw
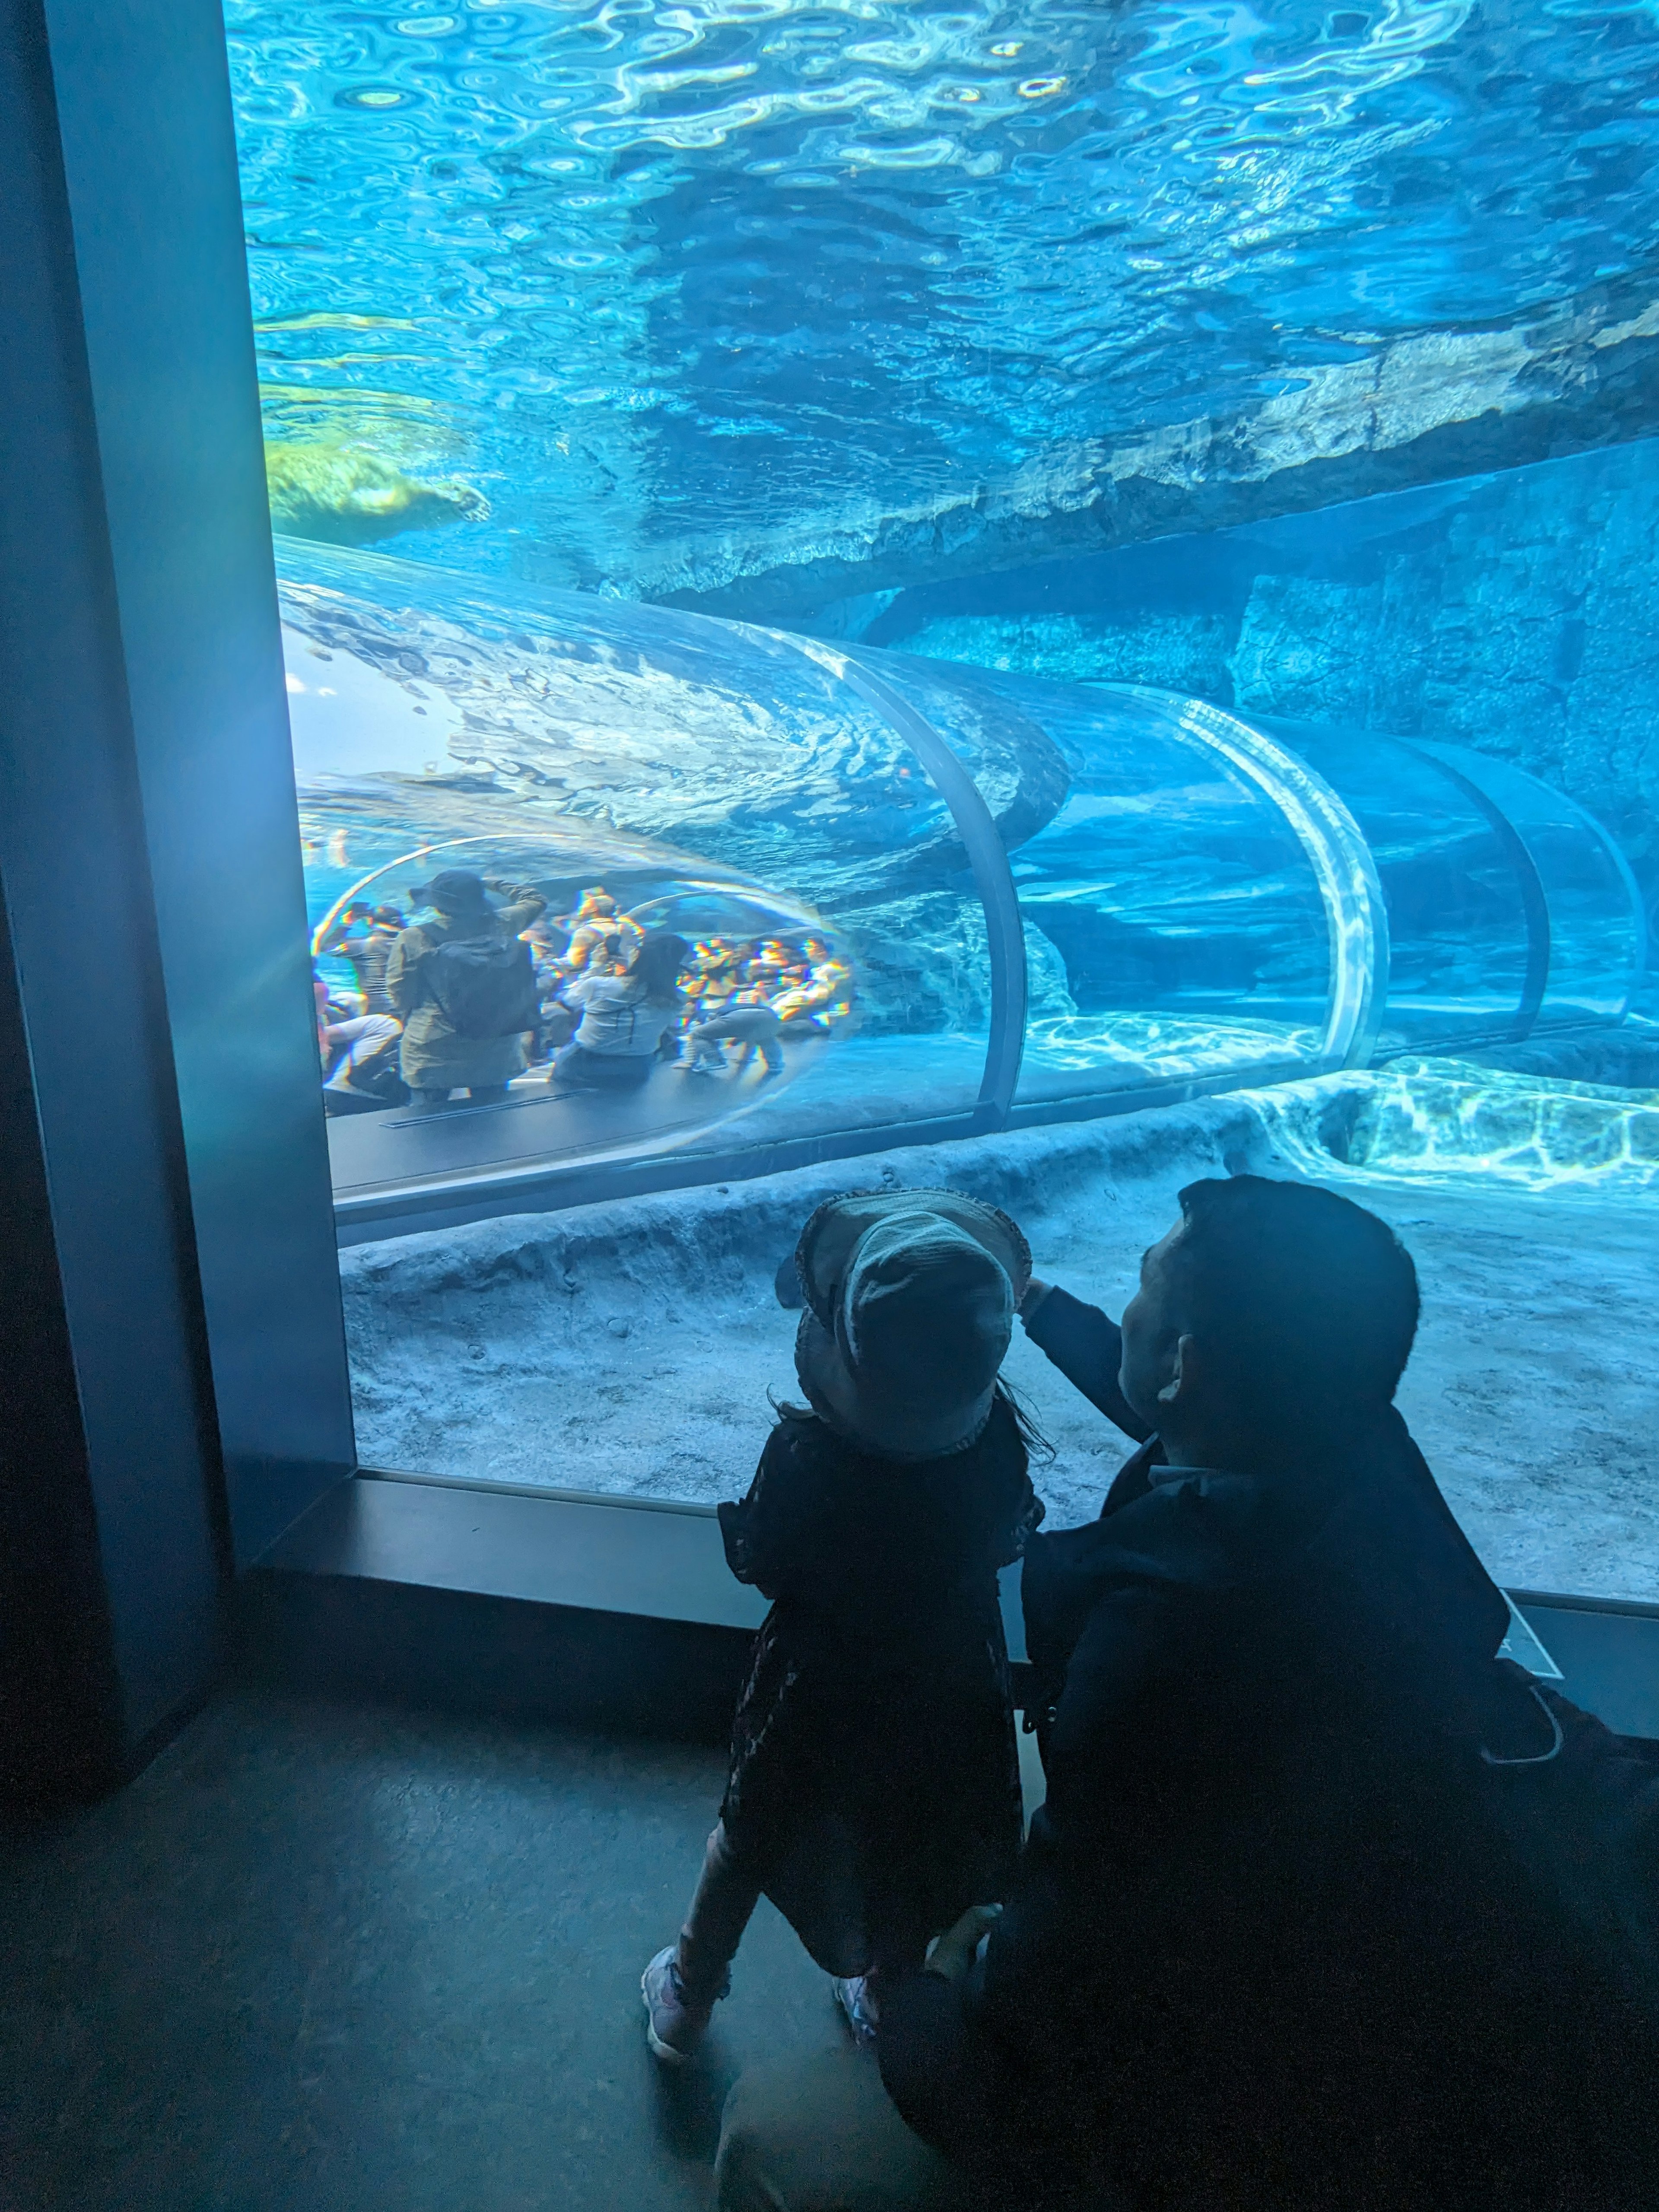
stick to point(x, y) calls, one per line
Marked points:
point(1271, 1310)
point(454, 891)
point(910, 1296)
point(388, 917)
point(656, 965)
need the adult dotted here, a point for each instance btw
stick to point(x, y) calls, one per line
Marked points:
point(348, 939)
point(465, 986)
point(1272, 1944)
point(817, 980)
point(385, 926)
point(625, 1019)
point(599, 934)
point(360, 1067)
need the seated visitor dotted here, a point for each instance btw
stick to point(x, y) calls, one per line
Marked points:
point(624, 1019)
point(874, 1788)
point(360, 1067)
point(464, 983)
point(763, 972)
point(699, 960)
point(812, 988)
point(549, 943)
point(559, 1021)
point(1279, 1940)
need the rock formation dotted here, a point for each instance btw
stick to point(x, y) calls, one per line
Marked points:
point(1420, 409)
point(344, 495)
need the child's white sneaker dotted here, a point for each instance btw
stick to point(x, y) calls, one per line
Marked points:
point(858, 2004)
point(673, 2025)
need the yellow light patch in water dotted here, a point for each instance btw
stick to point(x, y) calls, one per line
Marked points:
point(320, 321)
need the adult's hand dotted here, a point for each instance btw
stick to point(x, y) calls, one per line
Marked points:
point(1035, 1291)
point(952, 1954)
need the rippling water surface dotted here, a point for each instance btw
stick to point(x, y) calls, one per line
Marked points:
point(616, 281)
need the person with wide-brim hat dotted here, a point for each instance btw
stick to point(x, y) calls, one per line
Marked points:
point(910, 1297)
point(441, 1052)
point(874, 1787)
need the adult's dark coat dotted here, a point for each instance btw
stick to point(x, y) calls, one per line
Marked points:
point(1271, 1949)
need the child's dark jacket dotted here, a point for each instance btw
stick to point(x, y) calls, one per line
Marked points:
point(875, 1772)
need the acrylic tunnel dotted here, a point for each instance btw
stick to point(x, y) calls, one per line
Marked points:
point(961, 900)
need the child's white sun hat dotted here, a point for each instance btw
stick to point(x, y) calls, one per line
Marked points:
point(910, 1297)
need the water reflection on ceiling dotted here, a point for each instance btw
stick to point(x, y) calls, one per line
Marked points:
point(580, 282)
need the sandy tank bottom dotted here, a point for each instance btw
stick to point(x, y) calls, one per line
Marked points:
point(631, 1346)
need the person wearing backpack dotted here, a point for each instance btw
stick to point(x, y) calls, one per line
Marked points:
point(463, 981)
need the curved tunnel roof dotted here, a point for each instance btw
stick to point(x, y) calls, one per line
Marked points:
point(1045, 900)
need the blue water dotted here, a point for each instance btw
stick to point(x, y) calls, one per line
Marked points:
point(571, 304)
point(636, 286)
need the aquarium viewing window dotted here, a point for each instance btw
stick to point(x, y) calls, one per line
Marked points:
point(1054, 562)
point(947, 900)
point(1084, 578)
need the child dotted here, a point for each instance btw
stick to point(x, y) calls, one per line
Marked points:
point(874, 1789)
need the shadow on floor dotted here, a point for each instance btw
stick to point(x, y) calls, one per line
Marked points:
point(327, 1958)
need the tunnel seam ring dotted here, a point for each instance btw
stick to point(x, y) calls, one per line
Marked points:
point(1349, 886)
point(986, 857)
point(1462, 763)
point(1529, 887)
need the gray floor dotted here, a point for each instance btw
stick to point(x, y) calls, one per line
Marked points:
point(335, 1959)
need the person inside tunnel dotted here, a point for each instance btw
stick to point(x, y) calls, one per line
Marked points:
point(627, 1019)
point(598, 937)
point(464, 985)
point(748, 1021)
point(386, 924)
point(359, 1054)
point(349, 940)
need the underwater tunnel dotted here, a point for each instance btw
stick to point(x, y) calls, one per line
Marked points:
point(975, 899)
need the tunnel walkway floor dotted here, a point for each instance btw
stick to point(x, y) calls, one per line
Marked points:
point(329, 1958)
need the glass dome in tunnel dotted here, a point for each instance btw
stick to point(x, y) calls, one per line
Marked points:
point(960, 899)
point(1196, 907)
point(715, 781)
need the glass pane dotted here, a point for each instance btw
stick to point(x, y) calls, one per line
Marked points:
point(618, 321)
point(639, 769)
point(1174, 928)
point(1595, 947)
point(1457, 924)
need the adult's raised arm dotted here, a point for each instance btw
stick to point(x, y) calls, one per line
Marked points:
point(1087, 1348)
